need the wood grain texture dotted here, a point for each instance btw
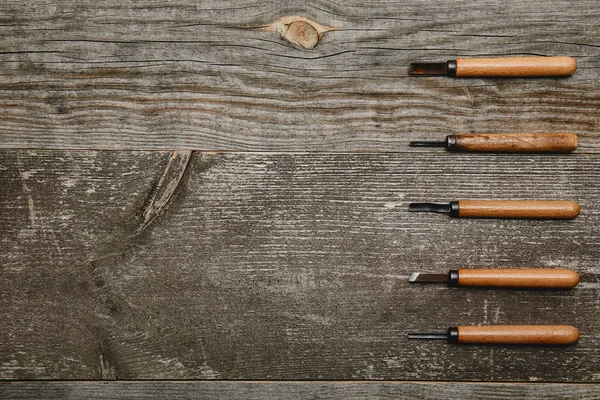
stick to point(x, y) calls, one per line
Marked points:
point(536, 209)
point(186, 75)
point(283, 266)
point(59, 214)
point(518, 277)
point(294, 390)
point(516, 143)
point(515, 67)
point(518, 334)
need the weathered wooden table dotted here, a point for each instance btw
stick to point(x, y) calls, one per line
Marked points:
point(187, 195)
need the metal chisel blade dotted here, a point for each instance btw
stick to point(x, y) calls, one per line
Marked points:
point(427, 278)
point(435, 336)
point(430, 143)
point(430, 207)
point(428, 69)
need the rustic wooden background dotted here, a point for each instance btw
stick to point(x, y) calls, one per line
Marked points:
point(186, 195)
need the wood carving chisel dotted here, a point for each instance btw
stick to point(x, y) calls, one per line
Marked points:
point(498, 67)
point(546, 278)
point(506, 334)
point(532, 209)
point(506, 143)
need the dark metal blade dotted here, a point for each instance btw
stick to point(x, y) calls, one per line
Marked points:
point(423, 143)
point(434, 336)
point(430, 207)
point(428, 68)
point(428, 278)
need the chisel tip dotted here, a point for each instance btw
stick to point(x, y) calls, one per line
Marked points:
point(428, 69)
point(423, 143)
point(434, 336)
point(430, 207)
point(417, 277)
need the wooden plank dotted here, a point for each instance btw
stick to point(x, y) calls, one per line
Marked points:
point(70, 204)
point(164, 75)
point(293, 390)
point(280, 266)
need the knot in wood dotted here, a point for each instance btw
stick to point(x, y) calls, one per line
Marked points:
point(299, 30)
point(303, 34)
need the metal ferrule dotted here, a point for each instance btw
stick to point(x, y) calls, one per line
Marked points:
point(453, 277)
point(453, 335)
point(451, 142)
point(454, 209)
point(451, 68)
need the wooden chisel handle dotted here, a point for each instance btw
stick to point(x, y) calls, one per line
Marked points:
point(514, 142)
point(515, 67)
point(518, 277)
point(536, 209)
point(518, 334)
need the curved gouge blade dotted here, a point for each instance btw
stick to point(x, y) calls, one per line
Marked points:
point(429, 207)
point(428, 69)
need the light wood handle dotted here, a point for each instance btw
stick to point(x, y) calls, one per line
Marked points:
point(518, 277)
point(518, 334)
point(516, 142)
point(537, 209)
point(515, 66)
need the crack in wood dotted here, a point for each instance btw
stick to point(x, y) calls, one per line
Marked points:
point(165, 188)
point(108, 368)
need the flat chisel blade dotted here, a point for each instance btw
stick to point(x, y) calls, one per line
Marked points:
point(428, 68)
point(434, 336)
point(429, 143)
point(427, 278)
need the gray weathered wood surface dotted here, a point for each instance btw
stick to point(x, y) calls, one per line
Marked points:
point(202, 75)
point(257, 258)
point(281, 266)
point(294, 390)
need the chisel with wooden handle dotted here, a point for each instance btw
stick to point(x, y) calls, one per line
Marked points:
point(506, 143)
point(535, 278)
point(531, 209)
point(506, 334)
point(498, 67)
